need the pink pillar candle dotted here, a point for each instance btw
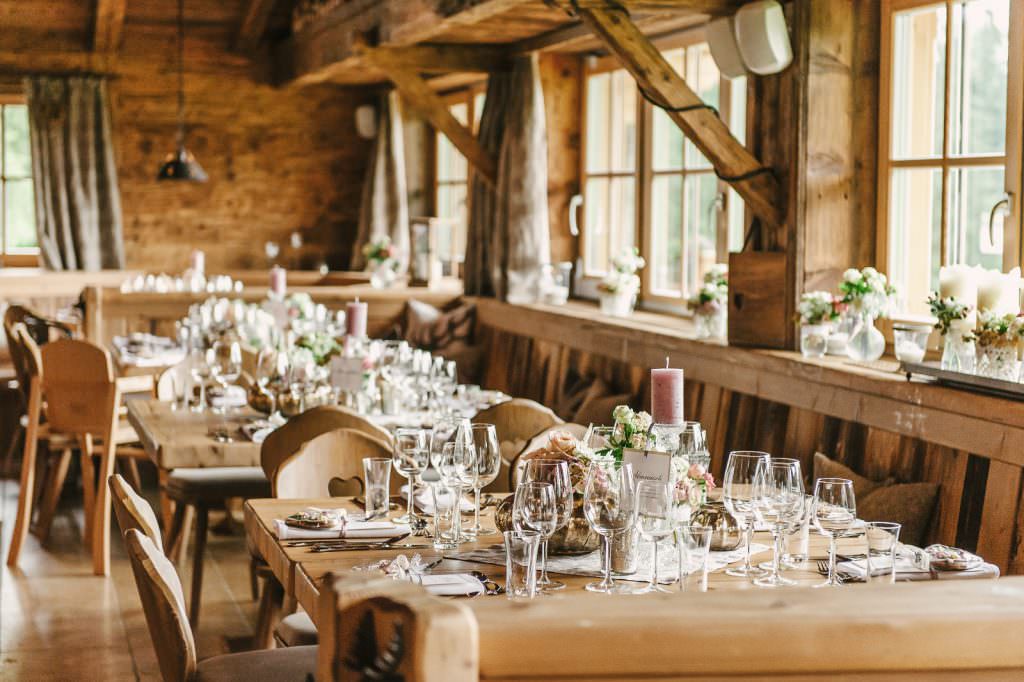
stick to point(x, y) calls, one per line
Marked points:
point(197, 262)
point(355, 318)
point(278, 281)
point(667, 395)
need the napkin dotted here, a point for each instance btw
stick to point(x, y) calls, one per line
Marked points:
point(907, 570)
point(449, 584)
point(234, 396)
point(375, 530)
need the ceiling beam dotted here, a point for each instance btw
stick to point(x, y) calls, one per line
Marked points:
point(254, 24)
point(700, 124)
point(21, 63)
point(450, 58)
point(712, 8)
point(418, 95)
point(109, 22)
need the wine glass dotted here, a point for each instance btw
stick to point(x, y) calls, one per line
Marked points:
point(654, 519)
point(410, 456)
point(268, 368)
point(599, 438)
point(483, 466)
point(780, 502)
point(608, 501)
point(556, 473)
point(742, 482)
point(200, 371)
point(833, 512)
point(693, 443)
point(226, 367)
point(534, 508)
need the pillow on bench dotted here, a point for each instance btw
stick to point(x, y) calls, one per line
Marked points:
point(909, 504)
point(598, 403)
point(446, 333)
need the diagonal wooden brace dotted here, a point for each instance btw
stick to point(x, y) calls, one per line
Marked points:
point(702, 126)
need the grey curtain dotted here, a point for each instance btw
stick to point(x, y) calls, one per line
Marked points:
point(384, 209)
point(508, 238)
point(78, 205)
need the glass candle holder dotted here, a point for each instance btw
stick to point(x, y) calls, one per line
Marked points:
point(910, 341)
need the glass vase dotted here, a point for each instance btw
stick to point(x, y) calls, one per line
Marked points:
point(866, 343)
point(710, 325)
point(957, 353)
point(382, 275)
point(998, 362)
point(813, 340)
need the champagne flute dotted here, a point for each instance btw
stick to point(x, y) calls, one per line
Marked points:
point(780, 503)
point(833, 511)
point(742, 482)
point(534, 508)
point(608, 501)
point(226, 367)
point(486, 465)
point(556, 473)
point(410, 457)
point(654, 519)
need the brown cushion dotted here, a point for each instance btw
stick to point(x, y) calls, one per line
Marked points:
point(296, 629)
point(291, 664)
point(598, 404)
point(909, 504)
point(217, 483)
point(432, 329)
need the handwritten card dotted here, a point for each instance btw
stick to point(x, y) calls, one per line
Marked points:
point(347, 373)
point(649, 465)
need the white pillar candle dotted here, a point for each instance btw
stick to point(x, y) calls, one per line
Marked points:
point(960, 282)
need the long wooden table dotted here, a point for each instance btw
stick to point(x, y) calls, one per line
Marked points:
point(300, 571)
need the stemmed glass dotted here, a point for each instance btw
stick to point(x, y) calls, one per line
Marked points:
point(556, 473)
point(268, 367)
point(833, 511)
point(599, 437)
point(741, 484)
point(654, 519)
point(226, 367)
point(200, 371)
point(410, 456)
point(483, 465)
point(608, 501)
point(780, 503)
point(534, 508)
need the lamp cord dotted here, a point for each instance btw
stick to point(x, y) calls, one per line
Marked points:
point(181, 74)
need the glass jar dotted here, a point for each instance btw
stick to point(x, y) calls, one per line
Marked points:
point(711, 325)
point(957, 352)
point(813, 340)
point(382, 274)
point(998, 361)
point(910, 341)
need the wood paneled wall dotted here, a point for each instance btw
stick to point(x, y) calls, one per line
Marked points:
point(979, 503)
point(561, 78)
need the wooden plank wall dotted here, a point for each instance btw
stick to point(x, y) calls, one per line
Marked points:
point(979, 503)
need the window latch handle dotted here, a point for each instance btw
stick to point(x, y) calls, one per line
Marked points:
point(1006, 204)
point(574, 205)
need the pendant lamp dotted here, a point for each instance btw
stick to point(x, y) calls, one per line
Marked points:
point(181, 165)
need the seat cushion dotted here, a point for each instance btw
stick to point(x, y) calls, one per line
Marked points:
point(217, 483)
point(271, 665)
point(296, 629)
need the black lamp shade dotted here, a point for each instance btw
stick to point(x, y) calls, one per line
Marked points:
point(182, 166)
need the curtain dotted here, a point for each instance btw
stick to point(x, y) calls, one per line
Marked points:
point(384, 208)
point(508, 236)
point(78, 205)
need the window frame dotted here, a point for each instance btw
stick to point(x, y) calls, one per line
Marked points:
point(645, 174)
point(1010, 160)
point(22, 258)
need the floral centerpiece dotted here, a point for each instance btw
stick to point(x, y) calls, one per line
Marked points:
point(382, 261)
point(709, 304)
point(619, 287)
point(321, 345)
point(947, 311)
point(816, 312)
point(868, 295)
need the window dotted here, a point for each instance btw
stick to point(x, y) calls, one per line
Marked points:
point(17, 203)
point(452, 183)
point(946, 145)
point(646, 185)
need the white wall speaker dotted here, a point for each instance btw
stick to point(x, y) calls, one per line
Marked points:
point(721, 37)
point(762, 37)
point(366, 121)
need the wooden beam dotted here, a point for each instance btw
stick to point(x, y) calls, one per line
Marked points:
point(254, 23)
point(712, 8)
point(702, 126)
point(438, 58)
point(418, 95)
point(106, 36)
point(21, 63)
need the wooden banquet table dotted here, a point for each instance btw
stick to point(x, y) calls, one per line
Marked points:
point(301, 571)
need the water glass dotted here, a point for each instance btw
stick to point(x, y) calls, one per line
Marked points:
point(377, 481)
point(521, 563)
point(555, 472)
point(411, 455)
point(833, 512)
point(883, 542)
point(447, 520)
point(694, 543)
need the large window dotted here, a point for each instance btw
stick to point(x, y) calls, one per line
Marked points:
point(948, 154)
point(646, 185)
point(17, 203)
point(452, 183)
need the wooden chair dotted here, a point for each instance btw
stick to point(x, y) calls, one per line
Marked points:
point(132, 511)
point(163, 604)
point(515, 421)
point(338, 454)
point(173, 382)
point(577, 431)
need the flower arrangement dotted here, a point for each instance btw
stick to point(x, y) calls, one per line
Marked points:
point(622, 277)
point(818, 307)
point(867, 291)
point(323, 346)
point(562, 446)
point(379, 251)
point(630, 432)
point(947, 311)
point(692, 486)
point(998, 330)
point(713, 293)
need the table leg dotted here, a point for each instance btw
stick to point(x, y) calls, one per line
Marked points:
point(202, 519)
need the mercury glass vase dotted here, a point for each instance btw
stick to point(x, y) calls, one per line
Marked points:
point(866, 343)
point(957, 353)
point(998, 362)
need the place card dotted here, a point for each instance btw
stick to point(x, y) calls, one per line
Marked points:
point(347, 373)
point(649, 465)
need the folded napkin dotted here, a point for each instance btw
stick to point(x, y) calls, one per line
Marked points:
point(425, 500)
point(234, 396)
point(907, 570)
point(350, 530)
point(449, 584)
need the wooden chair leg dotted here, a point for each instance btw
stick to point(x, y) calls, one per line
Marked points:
point(28, 473)
point(131, 471)
point(12, 448)
point(88, 486)
point(172, 532)
point(51, 496)
point(269, 614)
point(101, 513)
point(254, 579)
point(202, 521)
point(166, 504)
point(187, 530)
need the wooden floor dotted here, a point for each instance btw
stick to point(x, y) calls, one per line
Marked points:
point(59, 622)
